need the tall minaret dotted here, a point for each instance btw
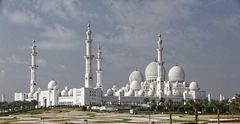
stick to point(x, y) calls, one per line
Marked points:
point(33, 67)
point(99, 68)
point(160, 77)
point(88, 59)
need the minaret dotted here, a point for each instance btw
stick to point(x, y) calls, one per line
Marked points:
point(33, 67)
point(160, 79)
point(88, 59)
point(99, 68)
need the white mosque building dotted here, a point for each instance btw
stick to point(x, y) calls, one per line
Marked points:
point(153, 86)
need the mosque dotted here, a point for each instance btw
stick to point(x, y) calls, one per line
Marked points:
point(153, 86)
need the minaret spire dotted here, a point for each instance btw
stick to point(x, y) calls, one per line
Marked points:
point(160, 68)
point(33, 68)
point(88, 59)
point(160, 58)
point(99, 68)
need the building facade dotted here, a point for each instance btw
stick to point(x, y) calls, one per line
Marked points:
point(153, 85)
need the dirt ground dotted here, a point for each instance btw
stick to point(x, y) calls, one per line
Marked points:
point(81, 117)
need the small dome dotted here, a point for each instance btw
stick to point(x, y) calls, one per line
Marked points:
point(51, 84)
point(141, 93)
point(193, 86)
point(135, 85)
point(64, 93)
point(176, 73)
point(70, 92)
point(109, 92)
point(136, 75)
point(150, 92)
point(30, 95)
point(151, 71)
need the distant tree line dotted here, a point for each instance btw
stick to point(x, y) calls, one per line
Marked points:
point(17, 106)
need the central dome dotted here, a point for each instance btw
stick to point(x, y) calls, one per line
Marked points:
point(151, 71)
point(136, 75)
point(176, 73)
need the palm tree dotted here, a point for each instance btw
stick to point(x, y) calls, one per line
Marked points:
point(146, 100)
point(168, 106)
point(196, 105)
point(218, 105)
point(162, 100)
point(205, 105)
point(235, 104)
point(33, 103)
point(153, 104)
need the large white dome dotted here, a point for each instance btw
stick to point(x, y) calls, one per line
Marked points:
point(151, 71)
point(135, 85)
point(176, 73)
point(136, 75)
point(52, 84)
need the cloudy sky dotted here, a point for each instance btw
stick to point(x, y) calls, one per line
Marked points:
point(200, 35)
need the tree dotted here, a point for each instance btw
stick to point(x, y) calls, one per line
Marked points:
point(234, 105)
point(217, 105)
point(146, 100)
point(162, 100)
point(153, 105)
point(220, 107)
point(196, 105)
point(4, 106)
point(33, 103)
point(168, 106)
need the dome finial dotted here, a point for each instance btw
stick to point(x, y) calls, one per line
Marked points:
point(136, 69)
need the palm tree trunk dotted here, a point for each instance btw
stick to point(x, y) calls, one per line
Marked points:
point(170, 117)
point(218, 116)
point(196, 116)
point(149, 118)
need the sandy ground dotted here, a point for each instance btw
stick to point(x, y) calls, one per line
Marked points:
point(81, 117)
